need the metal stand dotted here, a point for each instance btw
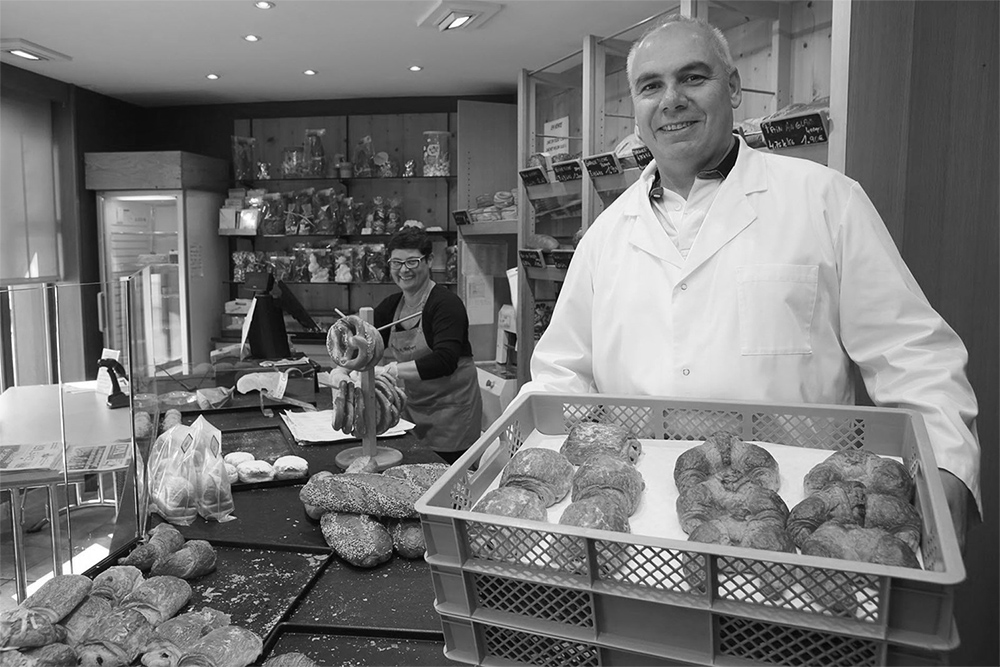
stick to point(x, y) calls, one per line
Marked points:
point(385, 457)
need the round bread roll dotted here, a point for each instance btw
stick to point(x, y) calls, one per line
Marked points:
point(879, 475)
point(251, 472)
point(231, 472)
point(512, 501)
point(725, 457)
point(290, 467)
point(237, 458)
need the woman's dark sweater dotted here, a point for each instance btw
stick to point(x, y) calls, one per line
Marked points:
point(446, 328)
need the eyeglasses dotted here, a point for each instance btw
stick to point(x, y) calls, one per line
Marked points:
point(411, 263)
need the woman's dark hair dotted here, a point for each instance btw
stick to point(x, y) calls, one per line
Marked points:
point(411, 238)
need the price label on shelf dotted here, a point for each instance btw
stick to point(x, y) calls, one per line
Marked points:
point(533, 176)
point(461, 217)
point(532, 258)
point(570, 170)
point(605, 164)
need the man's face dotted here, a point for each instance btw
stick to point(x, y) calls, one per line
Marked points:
point(683, 99)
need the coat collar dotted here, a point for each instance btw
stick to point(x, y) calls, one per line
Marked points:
point(730, 214)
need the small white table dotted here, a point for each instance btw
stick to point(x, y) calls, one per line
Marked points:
point(72, 414)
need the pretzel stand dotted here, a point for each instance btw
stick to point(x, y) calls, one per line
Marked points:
point(385, 457)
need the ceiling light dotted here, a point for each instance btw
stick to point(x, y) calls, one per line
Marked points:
point(455, 20)
point(309, 72)
point(454, 14)
point(263, 5)
point(213, 77)
point(27, 55)
point(22, 48)
point(415, 68)
point(252, 38)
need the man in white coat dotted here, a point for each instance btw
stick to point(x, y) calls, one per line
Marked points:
point(728, 273)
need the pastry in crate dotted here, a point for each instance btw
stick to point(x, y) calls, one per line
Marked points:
point(611, 477)
point(725, 454)
point(588, 439)
point(503, 543)
point(545, 472)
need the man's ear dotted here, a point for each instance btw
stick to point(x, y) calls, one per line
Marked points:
point(735, 88)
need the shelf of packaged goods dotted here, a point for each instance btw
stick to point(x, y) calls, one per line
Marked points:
point(558, 189)
point(338, 179)
point(489, 227)
point(549, 273)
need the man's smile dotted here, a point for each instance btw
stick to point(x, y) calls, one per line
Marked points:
point(674, 127)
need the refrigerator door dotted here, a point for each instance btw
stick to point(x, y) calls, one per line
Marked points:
point(138, 229)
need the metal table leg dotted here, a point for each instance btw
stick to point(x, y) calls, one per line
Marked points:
point(17, 530)
point(54, 530)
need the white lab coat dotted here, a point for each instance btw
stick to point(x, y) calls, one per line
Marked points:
point(791, 276)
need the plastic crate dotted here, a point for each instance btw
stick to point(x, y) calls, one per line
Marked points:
point(659, 597)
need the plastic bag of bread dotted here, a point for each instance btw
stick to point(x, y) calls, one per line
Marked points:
point(172, 476)
point(213, 493)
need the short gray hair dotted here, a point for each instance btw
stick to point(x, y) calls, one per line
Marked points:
point(717, 40)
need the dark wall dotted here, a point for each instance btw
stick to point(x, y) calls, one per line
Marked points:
point(207, 129)
point(950, 242)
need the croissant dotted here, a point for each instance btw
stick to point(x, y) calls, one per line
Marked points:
point(725, 456)
point(878, 474)
point(548, 473)
point(751, 516)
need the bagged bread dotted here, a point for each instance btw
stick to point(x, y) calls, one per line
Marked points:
point(213, 493)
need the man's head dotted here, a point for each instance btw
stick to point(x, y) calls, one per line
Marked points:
point(684, 89)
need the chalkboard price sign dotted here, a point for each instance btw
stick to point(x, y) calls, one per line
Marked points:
point(561, 258)
point(642, 156)
point(795, 131)
point(533, 176)
point(570, 170)
point(604, 164)
point(461, 217)
point(532, 258)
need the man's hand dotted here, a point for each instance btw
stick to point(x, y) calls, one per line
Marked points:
point(958, 497)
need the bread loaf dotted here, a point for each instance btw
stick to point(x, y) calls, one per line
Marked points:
point(362, 493)
point(407, 538)
point(357, 538)
point(195, 559)
point(422, 474)
point(158, 598)
point(229, 646)
point(289, 660)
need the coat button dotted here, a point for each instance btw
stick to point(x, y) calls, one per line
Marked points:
point(684, 286)
point(686, 371)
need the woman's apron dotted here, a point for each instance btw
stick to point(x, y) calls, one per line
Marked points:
point(447, 411)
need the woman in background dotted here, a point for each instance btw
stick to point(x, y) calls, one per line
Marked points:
point(430, 353)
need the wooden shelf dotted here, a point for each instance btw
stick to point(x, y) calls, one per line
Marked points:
point(489, 228)
point(338, 179)
point(549, 190)
point(549, 273)
point(237, 232)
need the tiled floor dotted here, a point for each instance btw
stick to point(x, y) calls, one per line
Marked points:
point(92, 528)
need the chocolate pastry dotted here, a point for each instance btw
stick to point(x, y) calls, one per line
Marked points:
point(548, 473)
point(587, 439)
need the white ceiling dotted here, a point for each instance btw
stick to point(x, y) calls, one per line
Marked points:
point(158, 52)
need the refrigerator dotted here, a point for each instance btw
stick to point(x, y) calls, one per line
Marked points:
point(166, 242)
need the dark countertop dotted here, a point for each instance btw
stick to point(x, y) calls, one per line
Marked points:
point(373, 616)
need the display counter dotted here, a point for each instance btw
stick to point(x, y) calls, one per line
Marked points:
point(277, 576)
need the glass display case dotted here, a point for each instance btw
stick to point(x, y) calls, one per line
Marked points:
point(66, 444)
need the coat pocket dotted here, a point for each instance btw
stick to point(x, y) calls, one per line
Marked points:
point(776, 303)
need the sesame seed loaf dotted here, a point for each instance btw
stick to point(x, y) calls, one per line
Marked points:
point(357, 538)
point(362, 493)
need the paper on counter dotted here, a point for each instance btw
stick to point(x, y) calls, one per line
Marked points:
point(317, 427)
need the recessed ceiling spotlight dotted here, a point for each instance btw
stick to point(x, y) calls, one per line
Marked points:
point(453, 14)
point(310, 72)
point(22, 48)
point(252, 38)
point(415, 68)
point(263, 5)
point(27, 55)
point(213, 77)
